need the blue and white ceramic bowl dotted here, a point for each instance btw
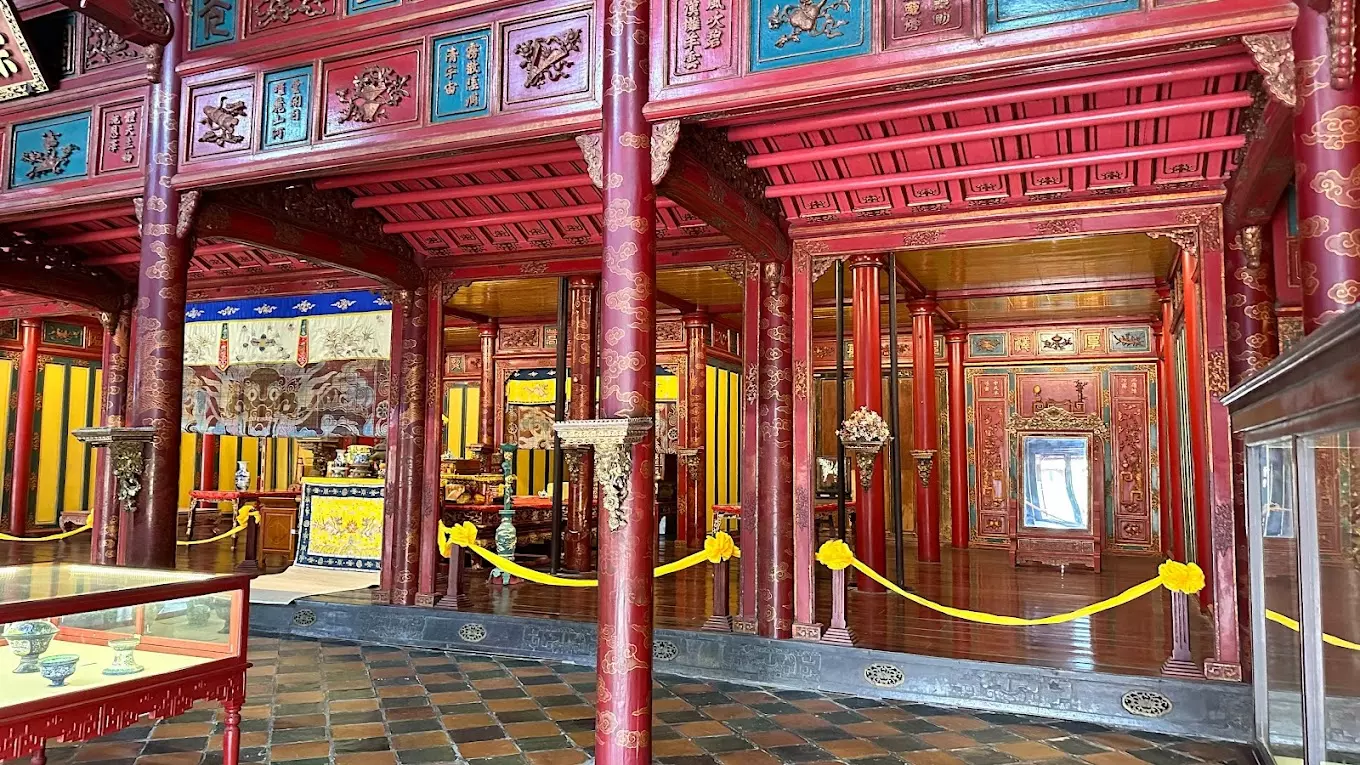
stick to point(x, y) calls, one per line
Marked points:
point(55, 669)
point(28, 641)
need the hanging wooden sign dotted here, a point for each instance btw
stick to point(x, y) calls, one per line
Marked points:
point(19, 75)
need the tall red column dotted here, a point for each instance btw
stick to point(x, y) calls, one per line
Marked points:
point(926, 415)
point(752, 343)
point(1253, 332)
point(486, 428)
point(157, 378)
point(113, 407)
point(1169, 415)
point(1327, 173)
point(623, 719)
point(392, 485)
point(410, 431)
point(432, 498)
point(958, 441)
point(870, 532)
point(774, 569)
point(694, 480)
point(804, 450)
point(26, 394)
point(1197, 405)
point(207, 462)
point(576, 551)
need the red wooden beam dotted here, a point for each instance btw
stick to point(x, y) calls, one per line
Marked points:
point(79, 216)
point(309, 245)
point(466, 315)
point(29, 270)
point(505, 218)
point(12, 309)
point(143, 23)
point(253, 285)
point(555, 183)
point(1156, 76)
point(993, 130)
point(522, 156)
point(90, 237)
point(1264, 172)
point(126, 258)
point(1067, 288)
point(703, 192)
point(1033, 164)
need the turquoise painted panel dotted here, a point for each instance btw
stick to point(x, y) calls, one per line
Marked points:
point(1003, 15)
point(50, 150)
point(288, 97)
point(987, 345)
point(807, 31)
point(363, 6)
point(459, 72)
point(213, 22)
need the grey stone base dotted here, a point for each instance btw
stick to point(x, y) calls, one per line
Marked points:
point(1214, 710)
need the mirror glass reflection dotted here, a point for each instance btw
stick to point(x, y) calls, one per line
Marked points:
point(1057, 481)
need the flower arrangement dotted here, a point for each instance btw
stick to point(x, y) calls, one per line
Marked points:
point(864, 426)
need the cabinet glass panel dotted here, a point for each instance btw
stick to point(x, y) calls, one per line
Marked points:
point(1280, 550)
point(1337, 460)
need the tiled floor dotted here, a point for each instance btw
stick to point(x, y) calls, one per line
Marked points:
point(311, 702)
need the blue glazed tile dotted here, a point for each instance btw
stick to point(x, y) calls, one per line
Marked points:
point(363, 6)
point(807, 31)
point(459, 71)
point(1004, 15)
point(213, 22)
point(50, 150)
point(288, 98)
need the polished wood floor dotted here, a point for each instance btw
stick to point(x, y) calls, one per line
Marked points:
point(1133, 639)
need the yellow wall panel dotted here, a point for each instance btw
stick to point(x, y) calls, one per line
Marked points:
point(51, 388)
point(6, 424)
point(188, 463)
point(76, 488)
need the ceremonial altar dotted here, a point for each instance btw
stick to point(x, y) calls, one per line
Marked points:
point(91, 649)
point(340, 523)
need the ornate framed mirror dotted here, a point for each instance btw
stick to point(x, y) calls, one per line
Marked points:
point(1057, 514)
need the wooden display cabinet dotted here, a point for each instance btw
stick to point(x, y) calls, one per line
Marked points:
point(1058, 513)
point(137, 642)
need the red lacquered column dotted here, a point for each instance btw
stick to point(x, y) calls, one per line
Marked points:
point(1170, 418)
point(1327, 175)
point(410, 429)
point(581, 407)
point(392, 485)
point(774, 573)
point(804, 450)
point(751, 345)
point(1198, 409)
point(870, 533)
point(207, 462)
point(623, 720)
point(486, 402)
point(113, 407)
point(926, 428)
point(958, 441)
point(695, 479)
point(432, 501)
point(26, 394)
point(157, 377)
point(1253, 334)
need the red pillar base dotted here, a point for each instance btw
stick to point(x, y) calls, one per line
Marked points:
point(811, 633)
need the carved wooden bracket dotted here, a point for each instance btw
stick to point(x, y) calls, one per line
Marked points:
point(143, 22)
point(925, 461)
point(1273, 54)
point(613, 440)
point(665, 135)
point(127, 454)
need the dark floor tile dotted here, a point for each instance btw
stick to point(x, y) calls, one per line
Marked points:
point(283, 710)
point(1074, 727)
point(751, 724)
point(705, 699)
point(434, 754)
point(248, 754)
point(404, 701)
point(1161, 756)
point(134, 733)
point(505, 693)
point(682, 716)
point(521, 715)
point(540, 680)
point(349, 718)
point(1075, 746)
point(902, 744)
point(484, 733)
point(799, 753)
point(721, 744)
point(853, 702)
point(916, 726)
point(989, 735)
point(983, 756)
point(842, 718)
point(776, 708)
point(544, 743)
point(297, 735)
point(375, 744)
point(413, 726)
point(169, 745)
point(446, 687)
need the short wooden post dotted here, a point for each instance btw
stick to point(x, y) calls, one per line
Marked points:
point(720, 620)
point(1180, 664)
point(251, 563)
point(455, 596)
point(838, 633)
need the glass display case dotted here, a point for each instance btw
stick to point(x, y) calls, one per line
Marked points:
point(89, 649)
point(1299, 420)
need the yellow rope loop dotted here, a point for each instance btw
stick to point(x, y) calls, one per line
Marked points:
point(719, 547)
point(49, 538)
point(243, 516)
point(464, 534)
point(245, 513)
point(835, 554)
point(449, 536)
point(1186, 578)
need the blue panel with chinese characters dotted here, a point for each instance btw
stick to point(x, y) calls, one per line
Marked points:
point(459, 67)
point(361, 6)
point(213, 22)
point(288, 95)
point(785, 33)
point(1023, 14)
point(54, 149)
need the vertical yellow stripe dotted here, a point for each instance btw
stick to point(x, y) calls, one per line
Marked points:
point(472, 424)
point(49, 445)
point(522, 476)
point(188, 459)
point(228, 451)
point(710, 443)
point(250, 454)
point(731, 420)
point(96, 418)
point(6, 414)
point(77, 417)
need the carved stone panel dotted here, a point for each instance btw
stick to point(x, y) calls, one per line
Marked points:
point(701, 39)
point(548, 60)
point(120, 137)
point(49, 150)
point(269, 16)
point(222, 117)
point(371, 92)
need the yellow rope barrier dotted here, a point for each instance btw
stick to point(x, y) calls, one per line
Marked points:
point(243, 517)
point(1293, 624)
point(1177, 577)
point(49, 537)
point(717, 547)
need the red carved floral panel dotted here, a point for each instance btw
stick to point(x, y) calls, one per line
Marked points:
point(1135, 498)
point(991, 454)
point(372, 92)
point(548, 60)
point(266, 16)
point(1077, 393)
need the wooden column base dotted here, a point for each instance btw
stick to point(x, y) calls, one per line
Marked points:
point(426, 599)
point(1216, 670)
point(745, 626)
point(1182, 668)
point(382, 597)
point(718, 624)
point(809, 632)
point(838, 636)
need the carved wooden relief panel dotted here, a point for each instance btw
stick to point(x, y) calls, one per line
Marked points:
point(363, 6)
point(19, 73)
point(1023, 14)
point(792, 32)
point(1090, 341)
point(459, 66)
point(213, 22)
point(371, 92)
point(267, 16)
point(990, 456)
point(287, 108)
point(120, 137)
point(703, 44)
point(547, 60)
point(1135, 497)
point(222, 117)
point(49, 150)
point(1076, 393)
point(100, 47)
point(916, 22)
